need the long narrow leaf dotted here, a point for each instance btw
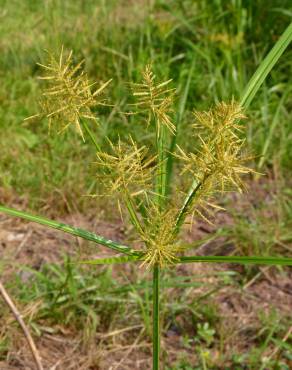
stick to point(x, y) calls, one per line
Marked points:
point(241, 260)
point(265, 67)
point(71, 230)
point(109, 260)
point(253, 260)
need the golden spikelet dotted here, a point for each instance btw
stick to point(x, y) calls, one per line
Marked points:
point(159, 238)
point(219, 154)
point(222, 120)
point(155, 99)
point(127, 169)
point(69, 96)
point(218, 163)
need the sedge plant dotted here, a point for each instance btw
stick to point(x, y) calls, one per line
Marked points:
point(140, 178)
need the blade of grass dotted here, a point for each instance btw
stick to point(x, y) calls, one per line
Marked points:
point(280, 261)
point(132, 212)
point(109, 260)
point(71, 230)
point(241, 260)
point(265, 67)
point(91, 136)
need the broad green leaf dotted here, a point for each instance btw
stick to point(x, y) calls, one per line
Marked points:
point(238, 259)
point(265, 67)
point(71, 230)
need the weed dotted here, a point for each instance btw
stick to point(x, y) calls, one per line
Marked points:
point(156, 209)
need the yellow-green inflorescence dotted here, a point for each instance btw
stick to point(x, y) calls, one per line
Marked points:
point(69, 96)
point(127, 168)
point(131, 171)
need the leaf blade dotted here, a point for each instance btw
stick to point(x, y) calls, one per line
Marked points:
point(109, 260)
point(265, 67)
point(84, 234)
point(280, 261)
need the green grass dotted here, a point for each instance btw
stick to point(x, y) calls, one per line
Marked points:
point(221, 44)
point(89, 303)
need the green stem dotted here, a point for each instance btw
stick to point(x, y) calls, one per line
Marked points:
point(132, 212)
point(156, 331)
point(161, 170)
point(90, 134)
point(169, 165)
point(160, 190)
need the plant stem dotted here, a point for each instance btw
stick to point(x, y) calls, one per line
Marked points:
point(156, 331)
point(94, 142)
point(132, 211)
point(161, 174)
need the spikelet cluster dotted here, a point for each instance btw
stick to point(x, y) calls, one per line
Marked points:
point(159, 238)
point(69, 96)
point(155, 99)
point(218, 162)
point(128, 168)
point(132, 173)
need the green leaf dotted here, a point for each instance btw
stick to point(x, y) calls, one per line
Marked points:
point(71, 230)
point(109, 260)
point(238, 259)
point(265, 67)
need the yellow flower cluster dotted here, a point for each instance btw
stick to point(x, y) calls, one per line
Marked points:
point(155, 99)
point(69, 97)
point(128, 169)
point(218, 162)
point(159, 238)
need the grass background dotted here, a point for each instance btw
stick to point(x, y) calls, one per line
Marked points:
point(210, 49)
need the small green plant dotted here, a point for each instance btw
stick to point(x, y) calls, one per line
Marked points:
point(141, 178)
point(206, 333)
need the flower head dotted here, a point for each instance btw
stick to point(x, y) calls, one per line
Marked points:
point(69, 96)
point(159, 238)
point(127, 169)
point(218, 162)
point(155, 99)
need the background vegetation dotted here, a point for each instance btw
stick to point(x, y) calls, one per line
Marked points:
point(210, 49)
